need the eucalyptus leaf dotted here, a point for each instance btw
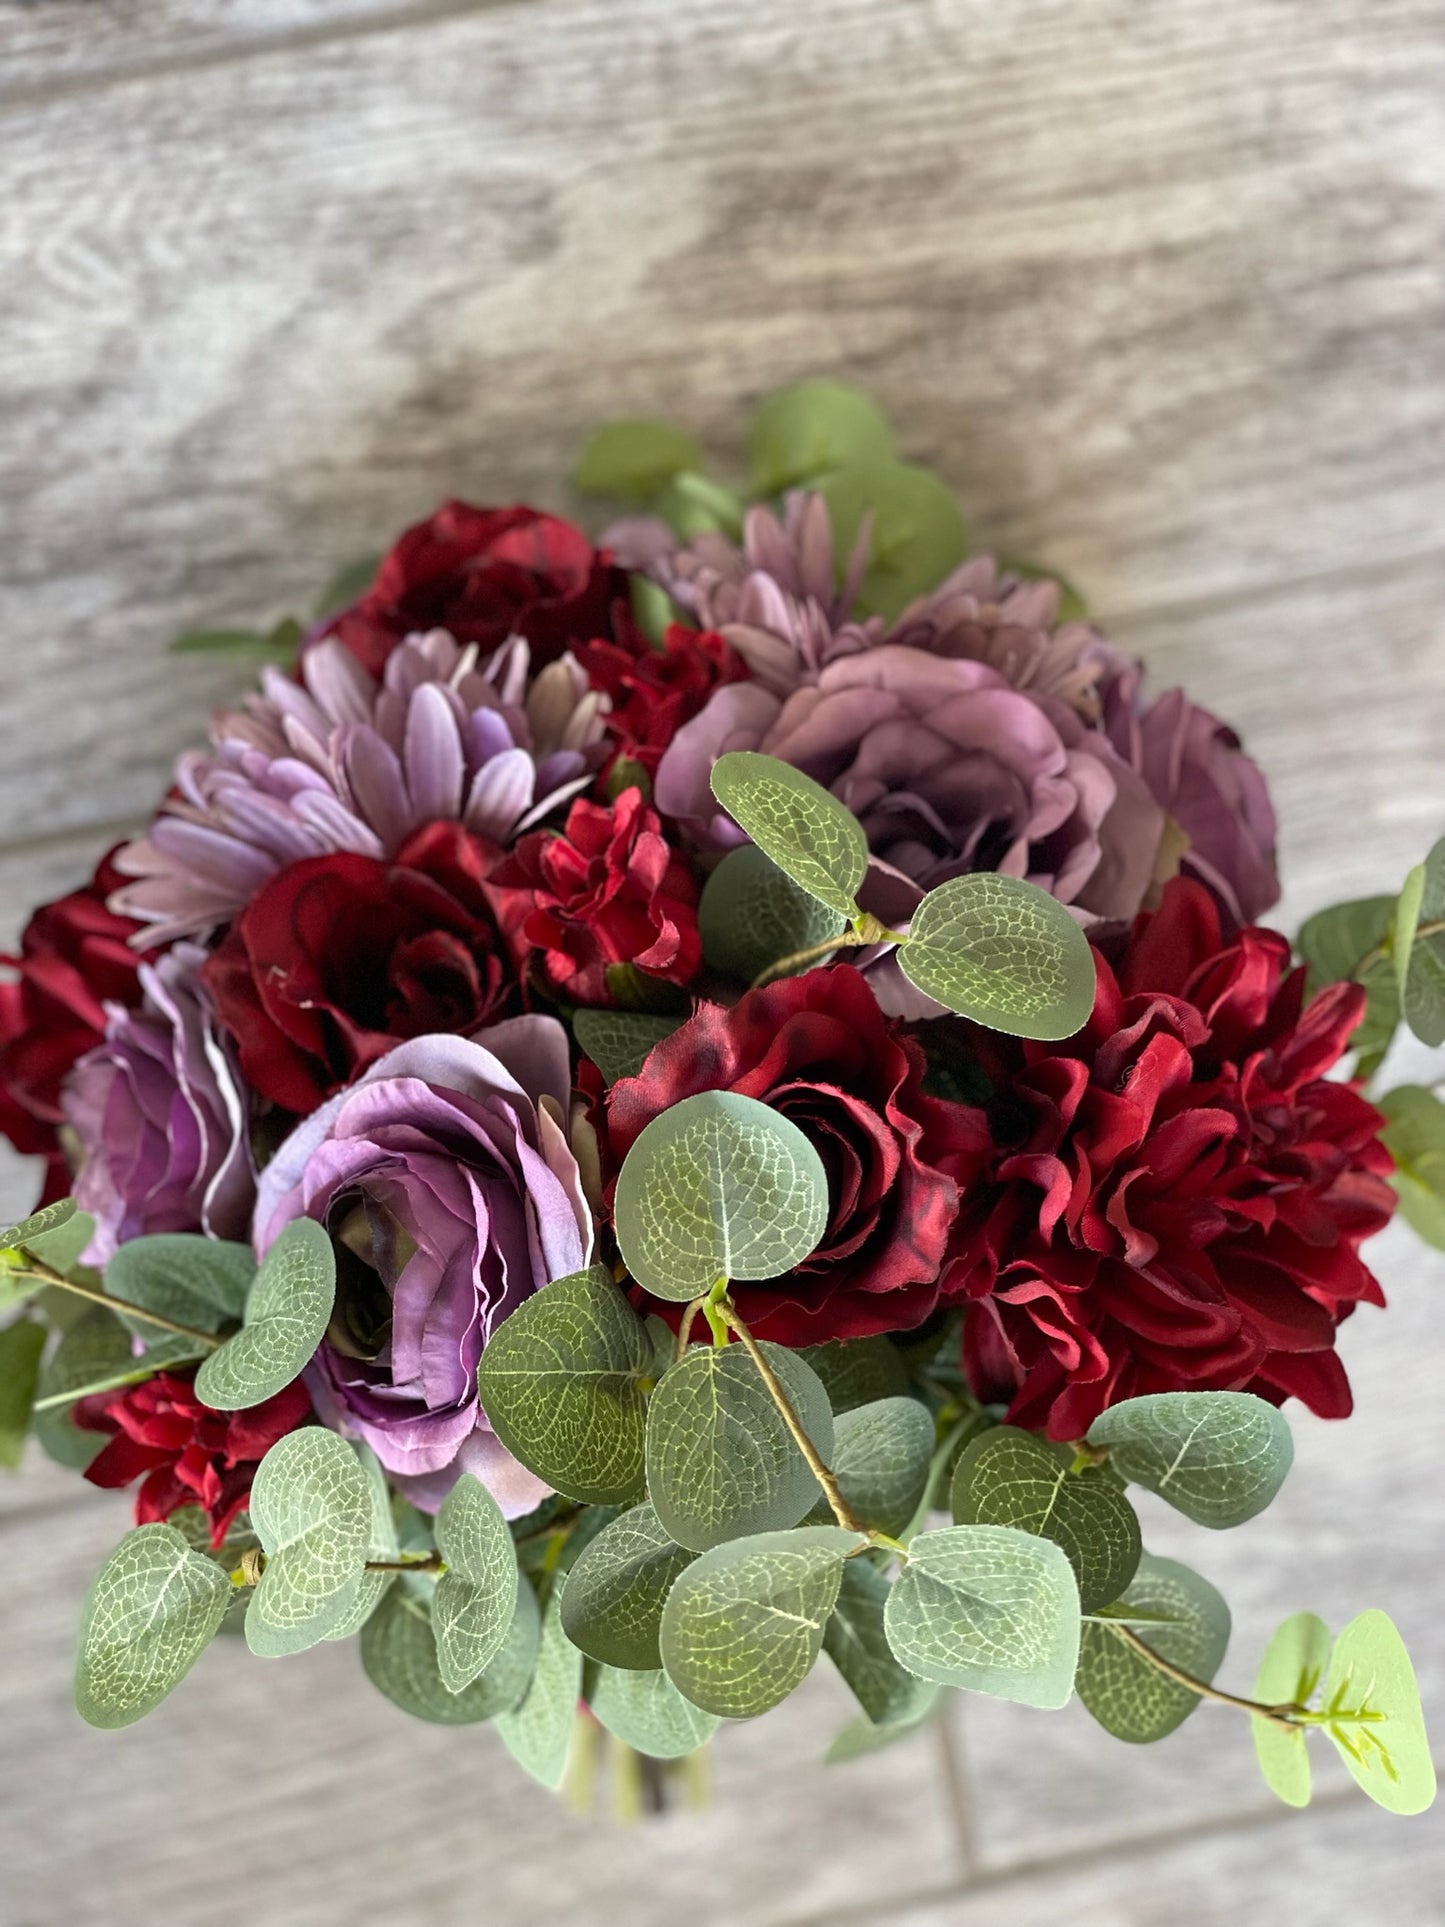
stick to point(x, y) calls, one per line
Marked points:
point(744, 1623)
point(476, 1597)
point(1349, 940)
point(1375, 1720)
point(154, 1607)
point(634, 458)
point(918, 533)
point(1290, 1673)
point(1419, 945)
point(718, 1186)
point(60, 1245)
point(881, 1457)
point(1002, 952)
point(806, 431)
point(1414, 1136)
point(646, 1712)
point(288, 1309)
point(862, 1736)
point(311, 1509)
point(857, 1643)
point(1217, 1457)
point(619, 1042)
point(350, 581)
point(752, 914)
point(21, 1344)
point(653, 609)
point(721, 1462)
point(808, 833)
point(697, 504)
point(399, 1654)
point(1008, 1477)
point(538, 1732)
point(989, 1609)
point(50, 1217)
point(562, 1383)
point(198, 1281)
point(93, 1355)
point(1183, 1619)
point(857, 1371)
point(383, 1544)
point(613, 1597)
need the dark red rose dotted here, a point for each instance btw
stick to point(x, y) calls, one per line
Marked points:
point(655, 691)
point(607, 889)
point(340, 957)
point(187, 1454)
point(1178, 1195)
point(818, 1049)
point(485, 574)
point(74, 958)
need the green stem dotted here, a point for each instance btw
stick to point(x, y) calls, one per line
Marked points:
point(1382, 950)
point(1291, 1718)
point(34, 1267)
point(785, 966)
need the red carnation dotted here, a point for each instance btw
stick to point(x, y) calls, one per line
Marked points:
point(338, 958)
point(818, 1049)
point(655, 691)
point(607, 889)
point(188, 1454)
point(74, 958)
point(1177, 1195)
point(485, 574)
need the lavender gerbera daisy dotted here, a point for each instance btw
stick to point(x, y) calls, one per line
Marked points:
point(339, 761)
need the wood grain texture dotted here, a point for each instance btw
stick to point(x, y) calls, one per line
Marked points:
point(1162, 297)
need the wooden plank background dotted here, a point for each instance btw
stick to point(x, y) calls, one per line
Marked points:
point(1161, 291)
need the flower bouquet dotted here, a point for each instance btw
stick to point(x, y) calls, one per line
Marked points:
point(648, 1112)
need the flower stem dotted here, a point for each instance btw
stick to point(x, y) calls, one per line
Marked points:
point(1382, 950)
point(785, 966)
point(1285, 1716)
point(34, 1267)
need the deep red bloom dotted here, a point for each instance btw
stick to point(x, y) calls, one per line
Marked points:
point(655, 691)
point(485, 574)
point(607, 889)
point(338, 958)
point(818, 1049)
point(73, 959)
point(187, 1454)
point(1178, 1195)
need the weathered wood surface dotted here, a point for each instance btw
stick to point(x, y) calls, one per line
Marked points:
point(1161, 292)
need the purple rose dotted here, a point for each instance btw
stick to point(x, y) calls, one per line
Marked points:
point(1196, 770)
point(445, 1178)
point(949, 769)
point(160, 1117)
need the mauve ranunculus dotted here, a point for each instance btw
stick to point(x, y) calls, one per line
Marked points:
point(446, 1180)
point(1196, 769)
point(160, 1116)
point(948, 768)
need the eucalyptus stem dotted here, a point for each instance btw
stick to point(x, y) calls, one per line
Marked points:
point(785, 966)
point(34, 1267)
point(428, 1562)
point(1286, 1716)
point(1382, 950)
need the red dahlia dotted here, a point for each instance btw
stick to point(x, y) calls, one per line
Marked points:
point(653, 692)
point(1177, 1195)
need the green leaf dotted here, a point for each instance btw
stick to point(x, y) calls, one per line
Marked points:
point(561, 1381)
point(62, 1234)
point(881, 1458)
point(152, 1610)
point(857, 1643)
point(20, 1347)
point(311, 1509)
point(752, 913)
point(1127, 1696)
point(808, 430)
point(861, 1736)
point(646, 1712)
point(93, 1355)
point(653, 609)
point(288, 1309)
point(744, 1624)
point(476, 1597)
point(1415, 1138)
point(1004, 953)
point(806, 831)
point(1375, 1718)
point(1217, 1457)
point(1403, 926)
point(50, 1217)
point(383, 1544)
point(857, 1371)
point(918, 533)
point(399, 1654)
point(1293, 1666)
point(613, 1597)
point(277, 643)
point(718, 1186)
point(721, 1462)
point(619, 1042)
point(1335, 944)
point(634, 459)
point(61, 1244)
point(697, 505)
point(197, 1281)
point(989, 1609)
point(351, 580)
point(538, 1732)
point(1009, 1477)
point(1420, 948)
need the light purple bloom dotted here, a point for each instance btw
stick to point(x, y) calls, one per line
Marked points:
point(338, 762)
point(446, 1178)
point(159, 1117)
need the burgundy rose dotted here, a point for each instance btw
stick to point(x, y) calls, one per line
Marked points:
point(818, 1050)
point(186, 1453)
point(606, 890)
point(484, 574)
point(653, 692)
point(74, 959)
point(339, 958)
point(1178, 1193)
